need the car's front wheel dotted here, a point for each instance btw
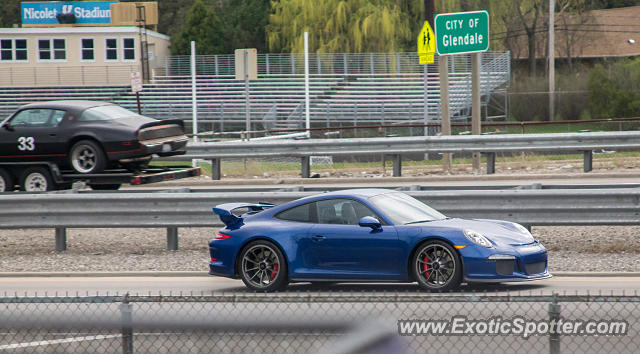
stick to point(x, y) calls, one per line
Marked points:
point(262, 267)
point(87, 157)
point(437, 266)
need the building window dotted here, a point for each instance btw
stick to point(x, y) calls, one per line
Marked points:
point(21, 49)
point(6, 49)
point(52, 49)
point(44, 49)
point(13, 49)
point(59, 49)
point(129, 49)
point(111, 51)
point(87, 49)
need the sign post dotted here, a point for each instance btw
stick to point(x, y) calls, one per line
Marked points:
point(426, 52)
point(247, 69)
point(136, 87)
point(461, 33)
point(426, 44)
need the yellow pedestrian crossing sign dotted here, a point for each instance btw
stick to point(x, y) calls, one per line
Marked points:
point(426, 44)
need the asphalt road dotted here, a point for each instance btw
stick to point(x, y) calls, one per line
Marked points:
point(186, 285)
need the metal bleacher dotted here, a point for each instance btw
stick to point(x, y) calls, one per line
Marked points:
point(14, 97)
point(345, 89)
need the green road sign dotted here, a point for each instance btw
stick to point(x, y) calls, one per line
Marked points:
point(462, 32)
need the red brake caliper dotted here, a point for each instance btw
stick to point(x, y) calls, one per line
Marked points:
point(275, 271)
point(425, 266)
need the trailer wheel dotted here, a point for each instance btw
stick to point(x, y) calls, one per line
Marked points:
point(36, 179)
point(6, 181)
point(105, 187)
point(87, 157)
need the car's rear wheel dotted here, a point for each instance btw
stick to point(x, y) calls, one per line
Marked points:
point(437, 266)
point(87, 157)
point(6, 181)
point(262, 267)
point(36, 179)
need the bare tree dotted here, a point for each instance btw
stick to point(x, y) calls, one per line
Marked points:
point(529, 12)
point(572, 17)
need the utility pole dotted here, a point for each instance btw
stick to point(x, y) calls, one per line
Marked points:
point(429, 12)
point(552, 60)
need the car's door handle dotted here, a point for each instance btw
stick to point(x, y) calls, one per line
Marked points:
point(52, 134)
point(318, 238)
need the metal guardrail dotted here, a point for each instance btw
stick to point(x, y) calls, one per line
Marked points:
point(174, 210)
point(487, 144)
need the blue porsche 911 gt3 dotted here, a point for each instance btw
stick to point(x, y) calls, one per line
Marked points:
point(368, 235)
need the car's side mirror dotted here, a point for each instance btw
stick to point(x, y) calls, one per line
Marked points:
point(370, 221)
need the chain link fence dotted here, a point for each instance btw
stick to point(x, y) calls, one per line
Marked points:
point(327, 64)
point(320, 322)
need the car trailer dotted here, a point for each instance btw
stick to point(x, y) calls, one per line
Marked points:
point(47, 176)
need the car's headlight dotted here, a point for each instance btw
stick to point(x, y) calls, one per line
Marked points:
point(477, 238)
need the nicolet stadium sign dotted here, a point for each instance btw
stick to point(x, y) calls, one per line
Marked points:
point(65, 12)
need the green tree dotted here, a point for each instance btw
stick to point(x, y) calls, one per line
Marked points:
point(10, 13)
point(244, 24)
point(171, 14)
point(202, 25)
point(614, 93)
point(344, 25)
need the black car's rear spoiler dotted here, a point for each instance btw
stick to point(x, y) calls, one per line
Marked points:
point(163, 122)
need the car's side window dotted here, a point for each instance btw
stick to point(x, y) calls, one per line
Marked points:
point(328, 211)
point(300, 213)
point(57, 117)
point(342, 211)
point(37, 117)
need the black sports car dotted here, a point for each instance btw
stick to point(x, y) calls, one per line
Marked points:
point(87, 136)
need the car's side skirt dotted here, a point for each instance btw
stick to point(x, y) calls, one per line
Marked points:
point(477, 280)
point(351, 280)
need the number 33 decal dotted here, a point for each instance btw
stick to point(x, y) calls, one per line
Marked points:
point(26, 143)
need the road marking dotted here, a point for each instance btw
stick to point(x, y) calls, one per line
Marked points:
point(57, 341)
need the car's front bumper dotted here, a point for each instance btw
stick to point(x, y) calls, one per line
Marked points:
point(515, 263)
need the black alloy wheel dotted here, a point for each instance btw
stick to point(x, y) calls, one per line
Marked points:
point(437, 266)
point(262, 267)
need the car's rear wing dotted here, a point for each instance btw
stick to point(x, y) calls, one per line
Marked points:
point(225, 211)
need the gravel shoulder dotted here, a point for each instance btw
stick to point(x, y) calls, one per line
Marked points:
point(581, 249)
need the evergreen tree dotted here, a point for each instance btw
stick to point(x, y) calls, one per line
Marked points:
point(244, 24)
point(202, 25)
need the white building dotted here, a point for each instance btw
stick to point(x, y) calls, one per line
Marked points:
point(76, 54)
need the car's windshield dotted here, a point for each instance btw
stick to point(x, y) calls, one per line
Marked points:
point(106, 113)
point(403, 209)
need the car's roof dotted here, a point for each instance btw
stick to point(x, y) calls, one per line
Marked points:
point(362, 192)
point(66, 104)
point(356, 192)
